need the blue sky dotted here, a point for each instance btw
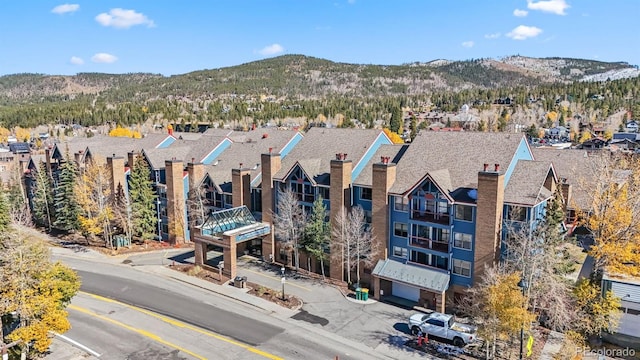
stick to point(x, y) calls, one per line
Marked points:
point(175, 37)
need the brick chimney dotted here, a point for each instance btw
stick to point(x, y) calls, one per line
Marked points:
point(196, 173)
point(175, 200)
point(131, 158)
point(115, 167)
point(384, 175)
point(241, 186)
point(488, 220)
point(270, 164)
point(340, 200)
point(47, 153)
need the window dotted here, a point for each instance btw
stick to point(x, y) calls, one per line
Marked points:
point(517, 213)
point(399, 251)
point(434, 322)
point(464, 212)
point(443, 207)
point(461, 267)
point(462, 241)
point(365, 193)
point(400, 229)
point(441, 235)
point(400, 203)
point(228, 199)
point(324, 192)
point(368, 216)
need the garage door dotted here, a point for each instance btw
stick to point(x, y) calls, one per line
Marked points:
point(405, 291)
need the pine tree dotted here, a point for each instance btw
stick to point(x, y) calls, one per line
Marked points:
point(67, 209)
point(413, 127)
point(143, 200)
point(315, 238)
point(396, 119)
point(5, 219)
point(42, 200)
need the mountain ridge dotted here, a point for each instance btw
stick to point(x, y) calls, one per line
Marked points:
point(314, 78)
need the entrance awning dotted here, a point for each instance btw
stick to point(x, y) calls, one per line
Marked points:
point(428, 279)
point(237, 221)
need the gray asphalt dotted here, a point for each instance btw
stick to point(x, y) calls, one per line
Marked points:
point(177, 306)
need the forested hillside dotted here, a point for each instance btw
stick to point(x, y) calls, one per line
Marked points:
point(301, 86)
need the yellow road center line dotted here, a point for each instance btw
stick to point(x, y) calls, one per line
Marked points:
point(187, 326)
point(136, 330)
point(277, 278)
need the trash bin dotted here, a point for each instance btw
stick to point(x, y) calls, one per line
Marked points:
point(365, 294)
point(358, 293)
point(240, 282)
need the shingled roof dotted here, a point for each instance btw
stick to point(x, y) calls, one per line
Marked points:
point(526, 184)
point(247, 150)
point(453, 159)
point(105, 146)
point(576, 166)
point(393, 151)
point(320, 145)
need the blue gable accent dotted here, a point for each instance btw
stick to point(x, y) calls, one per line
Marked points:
point(290, 145)
point(523, 152)
point(224, 144)
point(166, 142)
point(381, 140)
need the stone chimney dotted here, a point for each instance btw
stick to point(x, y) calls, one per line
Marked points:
point(78, 157)
point(488, 220)
point(384, 175)
point(175, 200)
point(115, 166)
point(241, 186)
point(340, 201)
point(565, 189)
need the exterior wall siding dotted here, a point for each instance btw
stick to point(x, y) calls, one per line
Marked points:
point(224, 144)
point(382, 139)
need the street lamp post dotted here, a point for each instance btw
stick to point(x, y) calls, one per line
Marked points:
point(158, 202)
point(282, 280)
point(522, 284)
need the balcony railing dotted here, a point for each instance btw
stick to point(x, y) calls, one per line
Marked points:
point(436, 245)
point(429, 216)
point(413, 262)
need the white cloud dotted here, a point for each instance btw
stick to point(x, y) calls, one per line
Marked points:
point(76, 60)
point(104, 58)
point(65, 8)
point(523, 32)
point(520, 13)
point(492, 36)
point(551, 6)
point(468, 44)
point(271, 50)
point(123, 19)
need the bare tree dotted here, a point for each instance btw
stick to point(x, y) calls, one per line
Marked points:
point(289, 221)
point(535, 253)
point(355, 240)
point(196, 205)
point(122, 218)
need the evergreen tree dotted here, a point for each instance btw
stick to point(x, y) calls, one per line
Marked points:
point(315, 238)
point(5, 219)
point(143, 200)
point(42, 200)
point(396, 119)
point(413, 127)
point(67, 209)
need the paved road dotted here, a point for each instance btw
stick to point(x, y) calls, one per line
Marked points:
point(267, 330)
point(177, 306)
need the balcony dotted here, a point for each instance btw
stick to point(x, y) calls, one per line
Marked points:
point(432, 217)
point(430, 244)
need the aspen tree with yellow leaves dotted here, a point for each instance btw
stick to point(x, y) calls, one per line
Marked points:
point(614, 213)
point(34, 292)
point(92, 191)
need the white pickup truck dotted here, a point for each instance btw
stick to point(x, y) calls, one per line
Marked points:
point(443, 326)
